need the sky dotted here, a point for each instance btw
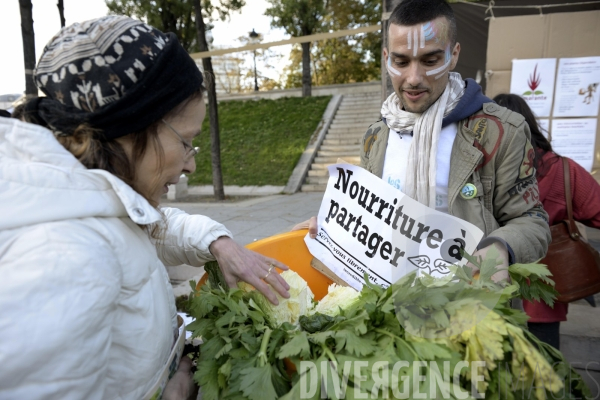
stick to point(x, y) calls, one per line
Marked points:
point(46, 23)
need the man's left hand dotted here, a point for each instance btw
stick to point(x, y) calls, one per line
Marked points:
point(502, 274)
point(310, 224)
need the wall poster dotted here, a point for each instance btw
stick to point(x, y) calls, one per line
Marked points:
point(544, 125)
point(577, 93)
point(575, 138)
point(533, 79)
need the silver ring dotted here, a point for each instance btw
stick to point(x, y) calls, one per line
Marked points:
point(269, 272)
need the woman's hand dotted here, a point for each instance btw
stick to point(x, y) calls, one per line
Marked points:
point(181, 386)
point(240, 264)
point(310, 224)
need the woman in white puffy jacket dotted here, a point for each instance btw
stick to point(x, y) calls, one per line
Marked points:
point(86, 308)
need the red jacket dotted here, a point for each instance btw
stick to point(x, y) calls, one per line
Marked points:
point(585, 193)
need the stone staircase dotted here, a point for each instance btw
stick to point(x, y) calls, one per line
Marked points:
point(354, 115)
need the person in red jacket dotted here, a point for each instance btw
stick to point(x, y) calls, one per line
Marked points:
point(544, 321)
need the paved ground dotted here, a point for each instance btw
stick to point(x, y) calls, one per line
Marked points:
point(259, 217)
point(248, 220)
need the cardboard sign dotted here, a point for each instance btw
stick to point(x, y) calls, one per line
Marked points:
point(368, 226)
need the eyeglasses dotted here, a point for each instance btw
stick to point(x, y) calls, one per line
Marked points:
point(190, 151)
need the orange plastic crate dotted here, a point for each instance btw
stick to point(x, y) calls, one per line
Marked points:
point(290, 249)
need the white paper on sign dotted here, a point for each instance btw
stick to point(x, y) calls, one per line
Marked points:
point(368, 226)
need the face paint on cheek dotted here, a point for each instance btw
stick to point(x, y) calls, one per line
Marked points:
point(391, 69)
point(442, 70)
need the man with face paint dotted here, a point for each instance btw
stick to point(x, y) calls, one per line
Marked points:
point(445, 144)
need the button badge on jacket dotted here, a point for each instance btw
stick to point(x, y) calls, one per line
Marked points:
point(468, 191)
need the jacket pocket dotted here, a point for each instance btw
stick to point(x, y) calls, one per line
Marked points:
point(488, 203)
point(472, 209)
point(488, 194)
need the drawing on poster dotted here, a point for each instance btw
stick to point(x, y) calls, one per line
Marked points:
point(589, 93)
point(533, 83)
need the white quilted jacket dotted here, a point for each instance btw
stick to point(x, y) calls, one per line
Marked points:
point(86, 309)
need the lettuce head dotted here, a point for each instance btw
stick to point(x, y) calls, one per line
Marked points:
point(288, 310)
point(337, 297)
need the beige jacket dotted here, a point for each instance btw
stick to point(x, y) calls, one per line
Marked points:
point(492, 151)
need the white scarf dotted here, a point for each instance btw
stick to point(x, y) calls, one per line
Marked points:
point(419, 183)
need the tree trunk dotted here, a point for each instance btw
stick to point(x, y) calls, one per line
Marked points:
point(213, 114)
point(61, 12)
point(306, 78)
point(28, 46)
point(169, 20)
point(188, 40)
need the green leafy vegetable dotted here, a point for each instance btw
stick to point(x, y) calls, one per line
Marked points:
point(316, 322)
point(215, 276)
point(534, 282)
point(253, 350)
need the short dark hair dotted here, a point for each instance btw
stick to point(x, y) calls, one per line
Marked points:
point(413, 12)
